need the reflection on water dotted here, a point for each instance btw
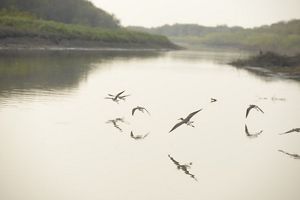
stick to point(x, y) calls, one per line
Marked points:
point(185, 167)
point(252, 135)
point(38, 72)
point(138, 137)
point(115, 122)
point(58, 131)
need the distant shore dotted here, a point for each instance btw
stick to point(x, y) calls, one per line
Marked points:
point(272, 64)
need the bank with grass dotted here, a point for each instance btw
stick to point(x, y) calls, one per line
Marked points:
point(21, 31)
point(272, 63)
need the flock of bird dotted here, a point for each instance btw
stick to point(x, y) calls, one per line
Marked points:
point(187, 120)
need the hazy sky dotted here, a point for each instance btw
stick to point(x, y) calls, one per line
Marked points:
point(247, 13)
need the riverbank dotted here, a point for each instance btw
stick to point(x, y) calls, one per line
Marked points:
point(17, 32)
point(272, 64)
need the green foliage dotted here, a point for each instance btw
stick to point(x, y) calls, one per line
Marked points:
point(280, 37)
point(269, 59)
point(14, 27)
point(67, 11)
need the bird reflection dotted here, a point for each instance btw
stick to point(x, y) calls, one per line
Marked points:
point(185, 168)
point(115, 123)
point(138, 137)
point(185, 121)
point(139, 108)
point(253, 107)
point(295, 156)
point(277, 99)
point(291, 131)
point(251, 135)
point(116, 98)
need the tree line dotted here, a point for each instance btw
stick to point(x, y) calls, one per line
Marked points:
point(280, 37)
point(66, 11)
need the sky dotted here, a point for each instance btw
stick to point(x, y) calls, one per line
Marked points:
point(246, 13)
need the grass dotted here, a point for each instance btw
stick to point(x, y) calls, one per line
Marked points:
point(20, 26)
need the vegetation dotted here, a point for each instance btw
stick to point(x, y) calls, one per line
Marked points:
point(66, 11)
point(282, 37)
point(269, 59)
point(23, 25)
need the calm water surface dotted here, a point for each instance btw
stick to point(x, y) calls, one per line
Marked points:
point(55, 142)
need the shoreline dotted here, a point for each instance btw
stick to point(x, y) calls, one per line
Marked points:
point(36, 43)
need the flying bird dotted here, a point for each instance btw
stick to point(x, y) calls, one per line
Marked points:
point(185, 121)
point(295, 156)
point(212, 100)
point(290, 131)
point(185, 167)
point(251, 135)
point(138, 137)
point(116, 98)
point(251, 107)
point(139, 108)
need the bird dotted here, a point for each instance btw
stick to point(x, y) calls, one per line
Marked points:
point(185, 121)
point(251, 107)
point(290, 131)
point(212, 100)
point(124, 97)
point(184, 167)
point(117, 97)
point(252, 135)
point(115, 123)
point(295, 156)
point(139, 108)
point(138, 137)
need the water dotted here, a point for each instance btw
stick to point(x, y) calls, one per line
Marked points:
point(55, 142)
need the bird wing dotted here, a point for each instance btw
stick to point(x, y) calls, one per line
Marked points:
point(133, 110)
point(192, 114)
point(246, 130)
point(173, 160)
point(145, 135)
point(290, 131)
point(176, 126)
point(119, 94)
point(146, 110)
point(258, 108)
point(186, 171)
point(124, 96)
point(248, 110)
point(296, 156)
point(131, 135)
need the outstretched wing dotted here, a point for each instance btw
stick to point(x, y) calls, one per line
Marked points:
point(131, 135)
point(146, 110)
point(176, 126)
point(186, 171)
point(173, 160)
point(192, 114)
point(295, 156)
point(119, 94)
point(246, 130)
point(248, 110)
point(290, 131)
point(124, 96)
point(258, 108)
point(133, 110)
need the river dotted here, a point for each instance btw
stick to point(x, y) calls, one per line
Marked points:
point(56, 140)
